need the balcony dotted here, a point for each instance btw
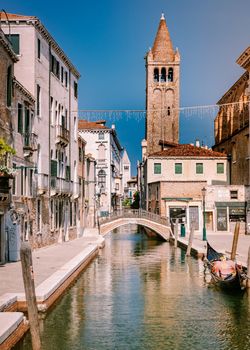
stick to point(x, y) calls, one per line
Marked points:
point(54, 186)
point(42, 183)
point(65, 188)
point(29, 143)
point(75, 189)
point(62, 135)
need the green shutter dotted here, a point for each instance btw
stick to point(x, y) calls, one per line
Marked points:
point(199, 168)
point(157, 168)
point(178, 168)
point(15, 42)
point(67, 177)
point(20, 119)
point(9, 86)
point(220, 168)
point(53, 168)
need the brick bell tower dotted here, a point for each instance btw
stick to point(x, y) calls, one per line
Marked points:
point(162, 91)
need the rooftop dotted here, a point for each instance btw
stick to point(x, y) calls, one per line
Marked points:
point(187, 150)
point(87, 125)
point(16, 18)
point(163, 48)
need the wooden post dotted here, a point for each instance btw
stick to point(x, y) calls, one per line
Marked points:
point(235, 240)
point(248, 268)
point(190, 240)
point(176, 233)
point(29, 286)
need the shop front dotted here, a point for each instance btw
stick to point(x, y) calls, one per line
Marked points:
point(228, 214)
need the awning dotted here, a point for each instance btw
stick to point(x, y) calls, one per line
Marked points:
point(230, 204)
point(179, 199)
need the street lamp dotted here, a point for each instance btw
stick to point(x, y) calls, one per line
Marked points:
point(204, 236)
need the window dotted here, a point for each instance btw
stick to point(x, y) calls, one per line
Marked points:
point(102, 180)
point(220, 168)
point(55, 66)
point(169, 112)
point(51, 110)
point(62, 74)
point(117, 186)
point(75, 89)
point(163, 75)
point(20, 118)
point(67, 175)
point(39, 216)
point(80, 154)
point(66, 79)
point(9, 86)
point(170, 74)
point(101, 152)
point(234, 194)
point(15, 42)
point(14, 182)
point(199, 168)
point(178, 168)
point(38, 49)
point(157, 168)
point(156, 75)
point(38, 99)
point(126, 167)
point(101, 136)
point(75, 129)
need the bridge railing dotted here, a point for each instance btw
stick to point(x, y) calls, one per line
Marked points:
point(134, 213)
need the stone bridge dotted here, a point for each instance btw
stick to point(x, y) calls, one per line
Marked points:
point(154, 222)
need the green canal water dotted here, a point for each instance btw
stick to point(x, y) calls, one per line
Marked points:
point(144, 294)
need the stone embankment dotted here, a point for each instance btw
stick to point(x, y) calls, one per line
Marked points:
point(55, 268)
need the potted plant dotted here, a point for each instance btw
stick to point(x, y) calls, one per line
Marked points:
point(5, 153)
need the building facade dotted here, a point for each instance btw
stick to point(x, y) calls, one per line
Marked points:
point(7, 61)
point(103, 144)
point(231, 128)
point(176, 180)
point(162, 90)
point(46, 72)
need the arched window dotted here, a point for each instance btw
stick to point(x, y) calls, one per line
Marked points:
point(102, 180)
point(170, 74)
point(169, 112)
point(156, 75)
point(163, 75)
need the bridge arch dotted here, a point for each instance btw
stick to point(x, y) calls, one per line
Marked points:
point(139, 217)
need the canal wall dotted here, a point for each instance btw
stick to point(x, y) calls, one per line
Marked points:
point(13, 324)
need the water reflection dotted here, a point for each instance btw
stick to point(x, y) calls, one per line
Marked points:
point(144, 294)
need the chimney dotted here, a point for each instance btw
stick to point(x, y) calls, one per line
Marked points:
point(113, 126)
point(197, 143)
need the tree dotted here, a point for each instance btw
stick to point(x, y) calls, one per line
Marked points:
point(136, 201)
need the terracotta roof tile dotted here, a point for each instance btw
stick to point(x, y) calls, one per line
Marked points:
point(14, 16)
point(87, 125)
point(163, 48)
point(187, 150)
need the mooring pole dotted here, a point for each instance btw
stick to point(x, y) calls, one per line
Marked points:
point(248, 268)
point(235, 240)
point(29, 287)
point(190, 240)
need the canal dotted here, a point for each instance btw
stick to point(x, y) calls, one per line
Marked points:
point(141, 293)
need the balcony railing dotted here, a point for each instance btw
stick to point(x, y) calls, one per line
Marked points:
point(135, 213)
point(62, 135)
point(65, 187)
point(29, 141)
point(54, 185)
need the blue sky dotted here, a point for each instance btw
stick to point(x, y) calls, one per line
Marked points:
point(107, 41)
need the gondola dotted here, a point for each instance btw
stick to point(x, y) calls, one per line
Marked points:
point(232, 280)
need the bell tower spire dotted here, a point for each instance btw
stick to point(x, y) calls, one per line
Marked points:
point(162, 90)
